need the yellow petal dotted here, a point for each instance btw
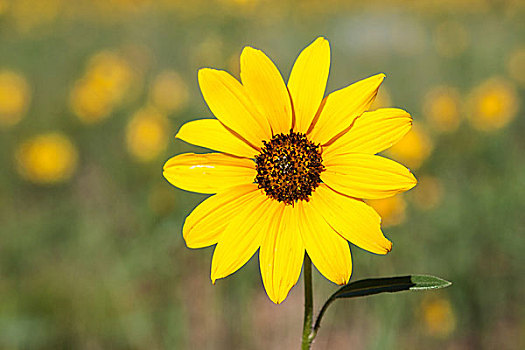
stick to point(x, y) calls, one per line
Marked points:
point(353, 219)
point(265, 87)
point(228, 101)
point(282, 253)
point(343, 106)
point(329, 251)
point(307, 82)
point(208, 220)
point(210, 133)
point(208, 173)
point(366, 176)
point(243, 236)
point(373, 132)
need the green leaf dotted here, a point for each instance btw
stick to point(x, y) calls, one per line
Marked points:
point(380, 285)
point(389, 285)
point(425, 282)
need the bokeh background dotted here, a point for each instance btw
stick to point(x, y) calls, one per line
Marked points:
point(92, 94)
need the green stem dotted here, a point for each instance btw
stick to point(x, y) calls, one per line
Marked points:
point(321, 314)
point(308, 304)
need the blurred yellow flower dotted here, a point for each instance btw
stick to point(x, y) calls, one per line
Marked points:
point(103, 87)
point(516, 65)
point(47, 159)
point(147, 134)
point(414, 148)
point(450, 39)
point(89, 102)
point(392, 210)
point(428, 194)
point(493, 104)
point(4, 5)
point(438, 317)
point(169, 92)
point(441, 107)
point(14, 98)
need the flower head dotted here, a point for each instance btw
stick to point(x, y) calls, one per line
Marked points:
point(102, 88)
point(146, 134)
point(293, 169)
point(169, 92)
point(438, 317)
point(14, 98)
point(47, 158)
point(493, 104)
point(442, 108)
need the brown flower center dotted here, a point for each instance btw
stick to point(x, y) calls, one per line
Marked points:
point(289, 167)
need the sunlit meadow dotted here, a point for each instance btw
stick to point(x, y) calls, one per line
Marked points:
point(92, 94)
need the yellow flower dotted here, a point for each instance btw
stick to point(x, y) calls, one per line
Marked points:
point(102, 88)
point(441, 107)
point(14, 97)
point(169, 92)
point(4, 5)
point(493, 104)
point(391, 209)
point(147, 134)
point(438, 317)
point(414, 148)
point(293, 169)
point(47, 159)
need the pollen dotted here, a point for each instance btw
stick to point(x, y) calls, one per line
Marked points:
point(289, 167)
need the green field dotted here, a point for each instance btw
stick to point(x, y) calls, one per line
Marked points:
point(92, 94)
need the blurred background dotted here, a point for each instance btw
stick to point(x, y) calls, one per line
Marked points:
point(92, 94)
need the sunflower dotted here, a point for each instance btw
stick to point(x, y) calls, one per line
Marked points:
point(292, 171)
